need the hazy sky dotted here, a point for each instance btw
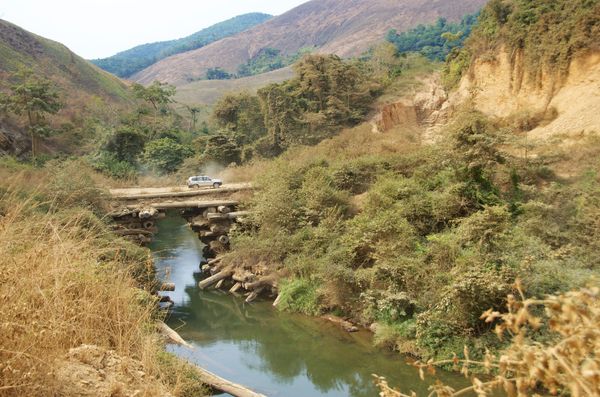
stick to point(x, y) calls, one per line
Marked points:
point(100, 28)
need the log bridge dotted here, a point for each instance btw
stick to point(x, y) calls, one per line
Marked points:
point(210, 212)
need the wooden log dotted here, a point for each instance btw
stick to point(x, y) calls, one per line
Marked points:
point(235, 287)
point(219, 284)
point(231, 215)
point(207, 234)
point(213, 262)
point(254, 294)
point(172, 335)
point(209, 210)
point(223, 209)
point(262, 282)
point(215, 278)
point(205, 268)
point(223, 385)
point(243, 276)
point(346, 325)
point(277, 300)
point(224, 239)
point(132, 232)
point(167, 287)
point(146, 213)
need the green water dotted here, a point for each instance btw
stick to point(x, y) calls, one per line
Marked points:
point(274, 353)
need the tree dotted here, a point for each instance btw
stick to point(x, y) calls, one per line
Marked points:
point(194, 110)
point(166, 155)
point(217, 74)
point(126, 144)
point(240, 114)
point(222, 149)
point(36, 97)
point(157, 94)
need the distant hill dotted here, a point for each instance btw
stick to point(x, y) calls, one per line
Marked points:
point(343, 27)
point(207, 92)
point(129, 62)
point(79, 83)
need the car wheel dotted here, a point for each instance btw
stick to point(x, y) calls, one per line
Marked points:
point(216, 185)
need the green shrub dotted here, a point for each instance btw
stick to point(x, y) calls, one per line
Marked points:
point(300, 295)
point(166, 155)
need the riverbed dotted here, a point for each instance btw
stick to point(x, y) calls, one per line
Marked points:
point(269, 351)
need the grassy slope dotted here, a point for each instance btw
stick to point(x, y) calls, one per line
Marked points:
point(128, 62)
point(208, 92)
point(53, 60)
point(69, 281)
point(83, 88)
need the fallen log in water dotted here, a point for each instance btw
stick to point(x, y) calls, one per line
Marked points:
point(254, 294)
point(346, 325)
point(168, 287)
point(130, 232)
point(215, 278)
point(208, 378)
point(171, 334)
point(218, 383)
point(235, 287)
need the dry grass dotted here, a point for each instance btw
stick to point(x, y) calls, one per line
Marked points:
point(65, 280)
point(57, 294)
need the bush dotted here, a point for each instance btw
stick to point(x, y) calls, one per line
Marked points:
point(299, 295)
point(166, 155)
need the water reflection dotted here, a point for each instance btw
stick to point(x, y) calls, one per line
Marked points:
point(278, 354)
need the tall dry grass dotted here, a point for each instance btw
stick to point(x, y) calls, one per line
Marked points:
point(65, 280)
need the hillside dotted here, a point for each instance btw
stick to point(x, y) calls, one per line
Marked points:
point(79, 83)
point(209, 91)
point(540, 74)
point(129, 62)
point(346, 28)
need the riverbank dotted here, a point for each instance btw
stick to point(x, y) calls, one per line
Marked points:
point(78, 317)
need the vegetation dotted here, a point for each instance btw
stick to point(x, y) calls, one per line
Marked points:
point(218, 74)
point(129, 62)
point(34, 97)
point(420, 240)
point(166, 155)
point(547, 34)
point(434, 41)
point(562, 364)
point(68, 282)
point(269, 59)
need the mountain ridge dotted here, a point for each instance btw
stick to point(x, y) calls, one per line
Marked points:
point(128, 62)
point(345, 28)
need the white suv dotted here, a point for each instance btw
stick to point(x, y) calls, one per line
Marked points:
point(197, 181)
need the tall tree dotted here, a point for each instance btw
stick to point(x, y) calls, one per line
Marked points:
point(194, 110)
point(157, 94)
point(35, 97)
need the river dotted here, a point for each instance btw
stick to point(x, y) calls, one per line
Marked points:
point(272, 352)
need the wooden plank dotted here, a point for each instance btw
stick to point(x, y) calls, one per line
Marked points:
point(186, 204)
point(124, 194)
point(231, 215)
